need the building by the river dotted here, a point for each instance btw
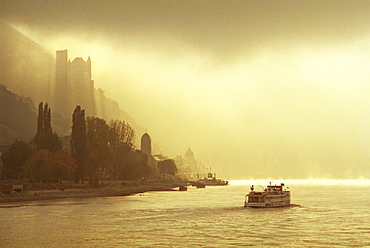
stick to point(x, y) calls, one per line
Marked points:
point(146, 148)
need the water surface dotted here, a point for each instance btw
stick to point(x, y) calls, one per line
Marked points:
point(326, 215)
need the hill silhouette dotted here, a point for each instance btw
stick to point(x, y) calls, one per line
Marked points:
point(27, 69)
point(17, 117)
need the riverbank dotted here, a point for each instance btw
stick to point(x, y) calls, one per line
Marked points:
point(50, 191)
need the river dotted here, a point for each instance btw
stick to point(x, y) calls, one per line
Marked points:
point(324, 214)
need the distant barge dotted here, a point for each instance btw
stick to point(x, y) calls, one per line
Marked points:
point(271, 197)
point(211, 180)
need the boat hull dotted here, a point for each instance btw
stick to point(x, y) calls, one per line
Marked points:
point(267, 205)
point(271, 197)
point(213, 182)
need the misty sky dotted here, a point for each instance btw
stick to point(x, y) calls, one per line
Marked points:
point(254, 88)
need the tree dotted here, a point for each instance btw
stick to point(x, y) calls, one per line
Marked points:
point(40, 119)
point(121, 133)
point(78, 142)
point(55, 166)
point(99, 153)
point(45, 138)
point(136, 166)
point(47, 119)
point(44, 119)
point(167, 167)
point(121, 141)
point(63, 165)
point(16, 160)
point(41, 166)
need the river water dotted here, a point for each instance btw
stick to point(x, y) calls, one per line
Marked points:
point(325, 214)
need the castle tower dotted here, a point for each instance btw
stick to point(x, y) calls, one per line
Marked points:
point(190, 160)
point(189, 155)
point(73, 85)
point(61, 67)
point(61, 91)
point(82, 86)
point(146, 148)
point(146, 144)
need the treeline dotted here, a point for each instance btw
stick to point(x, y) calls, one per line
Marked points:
point(98, 150)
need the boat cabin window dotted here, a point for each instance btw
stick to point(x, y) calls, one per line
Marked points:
point(253, 199)
point(275, 188)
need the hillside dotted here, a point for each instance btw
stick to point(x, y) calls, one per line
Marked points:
point(17, 117)
point(28, 69)
point(25, 67)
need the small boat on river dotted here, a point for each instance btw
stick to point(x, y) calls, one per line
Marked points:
point(211, 180)
point(271, 197)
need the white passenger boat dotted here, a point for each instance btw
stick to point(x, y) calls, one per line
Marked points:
point(270, 197)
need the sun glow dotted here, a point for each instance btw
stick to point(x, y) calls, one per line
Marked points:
point(307, 182)
point(298, 107)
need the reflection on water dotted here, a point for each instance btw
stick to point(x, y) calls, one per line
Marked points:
point(325, 215)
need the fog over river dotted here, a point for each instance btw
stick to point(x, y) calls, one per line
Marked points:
point(255, 88)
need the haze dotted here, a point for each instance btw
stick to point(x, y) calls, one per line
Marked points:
point(257, 89)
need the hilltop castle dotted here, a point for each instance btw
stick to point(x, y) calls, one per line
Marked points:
point(73, 84)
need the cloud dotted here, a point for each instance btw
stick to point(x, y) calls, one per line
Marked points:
point(223, 29)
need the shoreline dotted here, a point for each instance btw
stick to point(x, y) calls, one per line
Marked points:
point(74, 192)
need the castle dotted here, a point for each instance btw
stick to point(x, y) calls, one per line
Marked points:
point(73, 85)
